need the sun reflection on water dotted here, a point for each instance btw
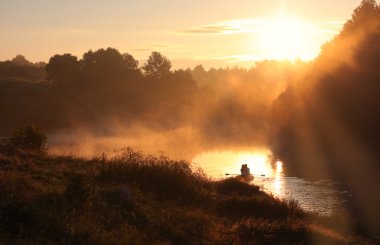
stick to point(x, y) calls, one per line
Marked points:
point(269, 175)
point(266, 172)
point(278, 180)
point(217, 164)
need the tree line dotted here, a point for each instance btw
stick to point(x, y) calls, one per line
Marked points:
point(106, 88)
point(106, 63)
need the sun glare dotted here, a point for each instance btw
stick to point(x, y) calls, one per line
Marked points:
point(257, 162)
point(216, 164)
point(287, 38)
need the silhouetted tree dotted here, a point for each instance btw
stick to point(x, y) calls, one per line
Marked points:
point(184, 82)
point(103, 63)
point(29, 139)
point(199, 69)
point(130, 63)
point(20, 68)
point(20, 60)
point(62, 68)
point(40, 64)
point(157, 66)
point(366, 10)
point(362, 16)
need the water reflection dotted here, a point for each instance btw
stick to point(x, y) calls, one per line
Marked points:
point(278, 189)
point(318, 196)
point(217, 164)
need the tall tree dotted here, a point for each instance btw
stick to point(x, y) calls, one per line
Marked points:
point(62, 68)
point(102, 64)
point(157, 66)
point(363, 16)
point(130, 63)
point(21, 61)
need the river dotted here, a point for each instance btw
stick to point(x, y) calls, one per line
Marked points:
point(315, 196)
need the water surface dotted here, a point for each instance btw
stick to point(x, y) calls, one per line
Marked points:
point(315, 196)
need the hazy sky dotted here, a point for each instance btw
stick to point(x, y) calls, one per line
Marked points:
point(213, 32)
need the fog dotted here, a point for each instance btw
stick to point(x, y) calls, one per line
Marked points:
point(229, 109)
point(105, 101)
point(326, 125)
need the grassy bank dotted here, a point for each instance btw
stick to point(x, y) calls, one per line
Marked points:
point(139, 199)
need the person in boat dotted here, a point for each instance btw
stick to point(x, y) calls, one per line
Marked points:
point(245, 172)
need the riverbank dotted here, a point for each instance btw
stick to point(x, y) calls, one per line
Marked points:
point(139, 199)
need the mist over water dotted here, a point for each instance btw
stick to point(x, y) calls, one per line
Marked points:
point(314, 196)
point(181, 113)
point(174, 143)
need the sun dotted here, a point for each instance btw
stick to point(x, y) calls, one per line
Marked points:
point(287, 38)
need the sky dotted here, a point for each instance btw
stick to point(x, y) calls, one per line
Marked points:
point(213, 32)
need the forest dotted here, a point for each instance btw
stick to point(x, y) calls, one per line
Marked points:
point(106, 94)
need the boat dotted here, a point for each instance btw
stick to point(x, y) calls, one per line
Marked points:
point(247, 178)
point(246, 175)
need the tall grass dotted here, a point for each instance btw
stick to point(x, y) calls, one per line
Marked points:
point(134, 198)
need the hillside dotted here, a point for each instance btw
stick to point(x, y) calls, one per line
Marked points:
point(138, 199)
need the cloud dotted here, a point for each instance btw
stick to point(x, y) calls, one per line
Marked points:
point(171, 47)
point(141, 50)
point(258, 25)
point(233, 58)
point(328, 26)
point(212, 29)
point(227, 27)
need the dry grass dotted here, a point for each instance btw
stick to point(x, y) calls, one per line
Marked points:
point(139, 199)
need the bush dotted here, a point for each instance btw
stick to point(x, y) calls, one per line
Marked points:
point(28, 139)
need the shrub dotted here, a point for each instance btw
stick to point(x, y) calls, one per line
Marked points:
point(28, 139)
